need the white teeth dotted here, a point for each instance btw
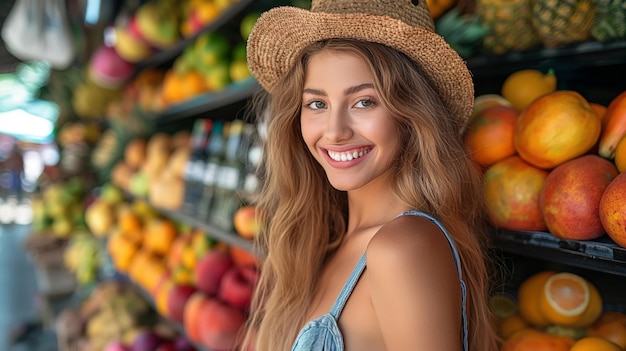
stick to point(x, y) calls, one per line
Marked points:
point(346, 156)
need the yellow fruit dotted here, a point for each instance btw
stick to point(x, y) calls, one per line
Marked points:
point(529, 296)
point(593, 343)
point(511, 325)
point(620, 155)
point(570, 300)
point(524, 86)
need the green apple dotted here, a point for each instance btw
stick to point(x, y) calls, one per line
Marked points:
point(245, 27)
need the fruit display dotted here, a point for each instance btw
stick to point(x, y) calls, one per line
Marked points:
point(546, 166)
point(557, 310)
point(116, 317)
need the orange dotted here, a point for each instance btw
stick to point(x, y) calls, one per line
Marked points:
point(128, 221)
point(568, 299)
point(555, 128)
point(524, 86)
point(592, 343)
point(489, 135)
point(529, 298)
point(536, 340)
point(511, 325)
point(159, 234)
point(611, 326)
point(122, 251)
point(620, 155)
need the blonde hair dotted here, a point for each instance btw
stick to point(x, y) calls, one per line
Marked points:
point(305, 218)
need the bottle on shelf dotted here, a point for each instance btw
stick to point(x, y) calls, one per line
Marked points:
point(215, 154)
point(194, 170)
point(231, 175)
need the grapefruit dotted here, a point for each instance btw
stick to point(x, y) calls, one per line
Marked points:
point(613, 209)
point(570, 197)
point(512, 187)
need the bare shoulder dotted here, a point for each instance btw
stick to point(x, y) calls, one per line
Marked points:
point(409, 239)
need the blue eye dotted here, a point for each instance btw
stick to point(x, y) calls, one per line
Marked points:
point(365, 103)
point(316, 105)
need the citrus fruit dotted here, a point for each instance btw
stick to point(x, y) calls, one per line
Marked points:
point(613, 209)
point(489, 135)
point(555, 128)
point(620, 155)
point(511, 188)
point(502, 305)
point(536, 340)
point(571, 194)
point(529, 296)
point(611, 326)
point(570, 300)
point(524, 86)
point(510, 325)
point(593, 343)
point(481, 102)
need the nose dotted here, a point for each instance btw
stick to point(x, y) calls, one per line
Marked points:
point(338, 125)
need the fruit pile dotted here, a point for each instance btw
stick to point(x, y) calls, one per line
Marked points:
point(551, 160)
point(116, 318)
point(153, 168)
point(204, 286)
point(557, 311)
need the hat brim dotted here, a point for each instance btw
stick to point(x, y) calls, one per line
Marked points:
point(280, 35)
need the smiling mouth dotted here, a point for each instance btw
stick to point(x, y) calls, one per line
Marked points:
point(347, 155)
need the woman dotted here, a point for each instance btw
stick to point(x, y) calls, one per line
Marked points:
point(372, 210)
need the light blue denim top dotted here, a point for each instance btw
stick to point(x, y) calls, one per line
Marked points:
point(323, 334)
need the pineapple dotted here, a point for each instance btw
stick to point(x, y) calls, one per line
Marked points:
point(509, 23)
point(610, 20)
point(560, 22)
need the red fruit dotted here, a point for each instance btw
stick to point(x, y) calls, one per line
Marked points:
point(220, 325)
point(146, 341)
point(191, 314)
point(238, 286)
point(512, 187)
point(570, 197)
point(167, 346)
point(177, 299)
point(210, 270)
point(613, 209)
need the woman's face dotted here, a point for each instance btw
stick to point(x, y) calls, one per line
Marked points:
point(344, 124)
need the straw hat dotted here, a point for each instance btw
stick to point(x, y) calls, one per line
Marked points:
point(281, 33)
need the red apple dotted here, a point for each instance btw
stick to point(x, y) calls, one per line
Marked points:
point(220, 325)
point(191, 315)
point(210, 270)
point(245, 222)
point(238, 286)
point(176, 300)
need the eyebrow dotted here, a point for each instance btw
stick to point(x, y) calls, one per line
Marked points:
point(348, 91)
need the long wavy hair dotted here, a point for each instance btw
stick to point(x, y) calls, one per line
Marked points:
point(304, 218)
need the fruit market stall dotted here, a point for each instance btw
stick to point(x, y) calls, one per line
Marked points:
point(168, 222)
